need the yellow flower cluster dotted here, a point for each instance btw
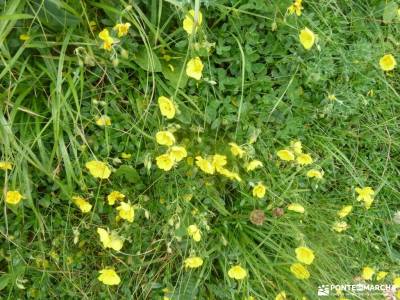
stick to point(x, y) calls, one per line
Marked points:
point(108, 41)
point(174, 153)
point(125, 211)
point(366, 195)
point(296, 7)
point(305, 256)
point(295, 153)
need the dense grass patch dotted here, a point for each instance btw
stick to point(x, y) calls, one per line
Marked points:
point(72, 93)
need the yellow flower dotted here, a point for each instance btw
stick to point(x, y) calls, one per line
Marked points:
point(122, 28)
point(367, 273)
point(205, 165)
point(177, 153)
point(285, 155)
point(237, 272)
point(109, 277)
point(219, 161)
point(126, 155)
point(115, 196)
point(296, 207)
point(83, 205)
point(307, 38)
point(165, 162)
point(126, 211)
point(194, 232)
point(112, 240)
point(281, 296)
point(254, 164)
point(167, 107)
point(98, 169)
point(194, 68)
point(259, 190)
point(188, 23)
point(313, 173)
point(107, 45)
point(13, 197)
point(299, 271)
point(387, 62)
point(396, 282)
point(304, 255)
point(345, 211)
point(193, 262)
point(24, 37)
point(229, 174)
point(381, 275)
point(297, 147)
point(296, 7)
point(304, 159)
point(104, 35)
point(340, 226)
point(165, 138)
point(365, 194)
point(103, 121)
point(5, 165)
point(237, 150)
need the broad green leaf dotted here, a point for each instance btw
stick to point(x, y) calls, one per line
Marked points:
point(147, 59)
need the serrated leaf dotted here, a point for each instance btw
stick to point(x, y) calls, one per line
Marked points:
point(390, 12)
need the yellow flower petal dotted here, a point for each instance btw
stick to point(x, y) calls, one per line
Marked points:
point(237, 150)
point(188, 23)
point(194, 68)
point(13, 197)
point(299, 271)
point(205, 165)
point(126, 211)
point(122, 28)
point(305, 255)
point(83, 205)
point(193, 262)
point(340, 226)
point(307, 38)
point(367, 273)
point(296, 207)
point(108, 276)
point(237, 272)
point(194, 232)
point(5, 165)
point(344, 211)
point(165, 138)
point(115, 196)
point(98, 169)
point(313, 173)
point(259, 190)
point(254, 164)
point(103, 121)
point(387, 62)
point(285, 155)
point(304, 159)
point(165, 162)
point(167, 107)
point(177, 153)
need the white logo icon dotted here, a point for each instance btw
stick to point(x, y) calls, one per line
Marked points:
point(323, 290)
